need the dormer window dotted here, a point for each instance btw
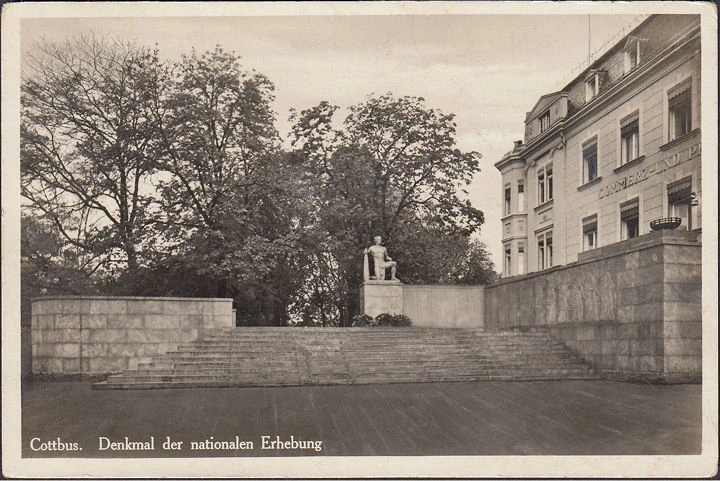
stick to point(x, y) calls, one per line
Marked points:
point(591, 88)
point(545, 121)
point(592, 85)
point(632, 53)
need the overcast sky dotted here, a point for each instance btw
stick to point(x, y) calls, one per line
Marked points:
point(487, 69)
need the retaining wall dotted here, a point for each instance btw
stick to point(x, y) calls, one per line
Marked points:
point(99, 335)
point(448, 306)
point(444, 305)
point(632, 310)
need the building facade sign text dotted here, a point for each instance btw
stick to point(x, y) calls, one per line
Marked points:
point(646, 172)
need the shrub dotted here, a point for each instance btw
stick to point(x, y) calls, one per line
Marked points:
point(392, 320)
point(362, 320)
point(306, 323)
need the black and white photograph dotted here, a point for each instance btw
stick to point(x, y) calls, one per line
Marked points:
point(359, 239)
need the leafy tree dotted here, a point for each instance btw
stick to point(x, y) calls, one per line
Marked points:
point(392, 170)
point(394, 155)
point(150, 178)
point(439, 257)
point(229, 197)
point(48, 264)
point(87, 139)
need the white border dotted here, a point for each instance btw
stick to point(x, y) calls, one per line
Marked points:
point(445, 466)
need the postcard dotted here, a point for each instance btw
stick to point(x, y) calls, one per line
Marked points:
point(359, 239)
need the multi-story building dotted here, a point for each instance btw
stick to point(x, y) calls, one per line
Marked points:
point(615, 149)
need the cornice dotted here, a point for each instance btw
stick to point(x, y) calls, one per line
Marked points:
point(539, 142)
point(509, 159)
point(514, 214)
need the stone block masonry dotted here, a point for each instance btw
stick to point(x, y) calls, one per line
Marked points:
point(632, 310)
point(441, 306)
point(378, 297)
point(444, 305)
point(94, 335)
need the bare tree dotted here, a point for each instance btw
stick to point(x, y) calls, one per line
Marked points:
point(87, 143)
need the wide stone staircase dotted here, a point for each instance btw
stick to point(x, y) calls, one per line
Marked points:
point(266, 356)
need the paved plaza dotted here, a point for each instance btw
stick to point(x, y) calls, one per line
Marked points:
point(462, 418)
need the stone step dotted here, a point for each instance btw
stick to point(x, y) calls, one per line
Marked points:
point(204, 358)
point(408, 376)
point(367, 380)
point(382, 355)
point(415, 330)
point(375, 334)
point(258, 346)
point(412, 360)
point(396, 367)
point(361, 347)
point(219, 358)
point(287, 356)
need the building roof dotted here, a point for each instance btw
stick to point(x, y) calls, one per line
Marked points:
point(543, 103)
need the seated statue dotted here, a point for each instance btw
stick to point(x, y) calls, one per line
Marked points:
point(381, 261)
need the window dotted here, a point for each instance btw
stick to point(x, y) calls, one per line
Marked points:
point(589, 228)
point(632, 55)
point(521, 197)
point(629, 138)
point(544, 122)
point(521, 260)
point(545, 184)
point(508, 257)
point(506, 207)
point(544, 250)
point(592, 87)
point(680, 202)
point(680, 110)
point(629, 219)
point(589, 153)
point(593, 83)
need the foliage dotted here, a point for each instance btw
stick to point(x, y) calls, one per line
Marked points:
point(318, 297)
point(392, 320)
point(229, 202)
point(437, 257)
point(394, 159)
point(305, 323)
point(153, 177)
point(362, 320)
point(48, 265)
point(381, 320)
point(87, 139)
point(392, 170)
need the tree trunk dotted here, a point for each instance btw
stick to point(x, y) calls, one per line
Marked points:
point(132, 286)
point(222, 287)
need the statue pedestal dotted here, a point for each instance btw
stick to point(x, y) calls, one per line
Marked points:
point(377, 297)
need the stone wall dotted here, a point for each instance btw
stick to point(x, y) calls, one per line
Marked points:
point(632, 309)
point(450, 306)
point(99, 335)
point(444, 305)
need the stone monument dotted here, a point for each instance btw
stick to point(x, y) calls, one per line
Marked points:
point(378, 295)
